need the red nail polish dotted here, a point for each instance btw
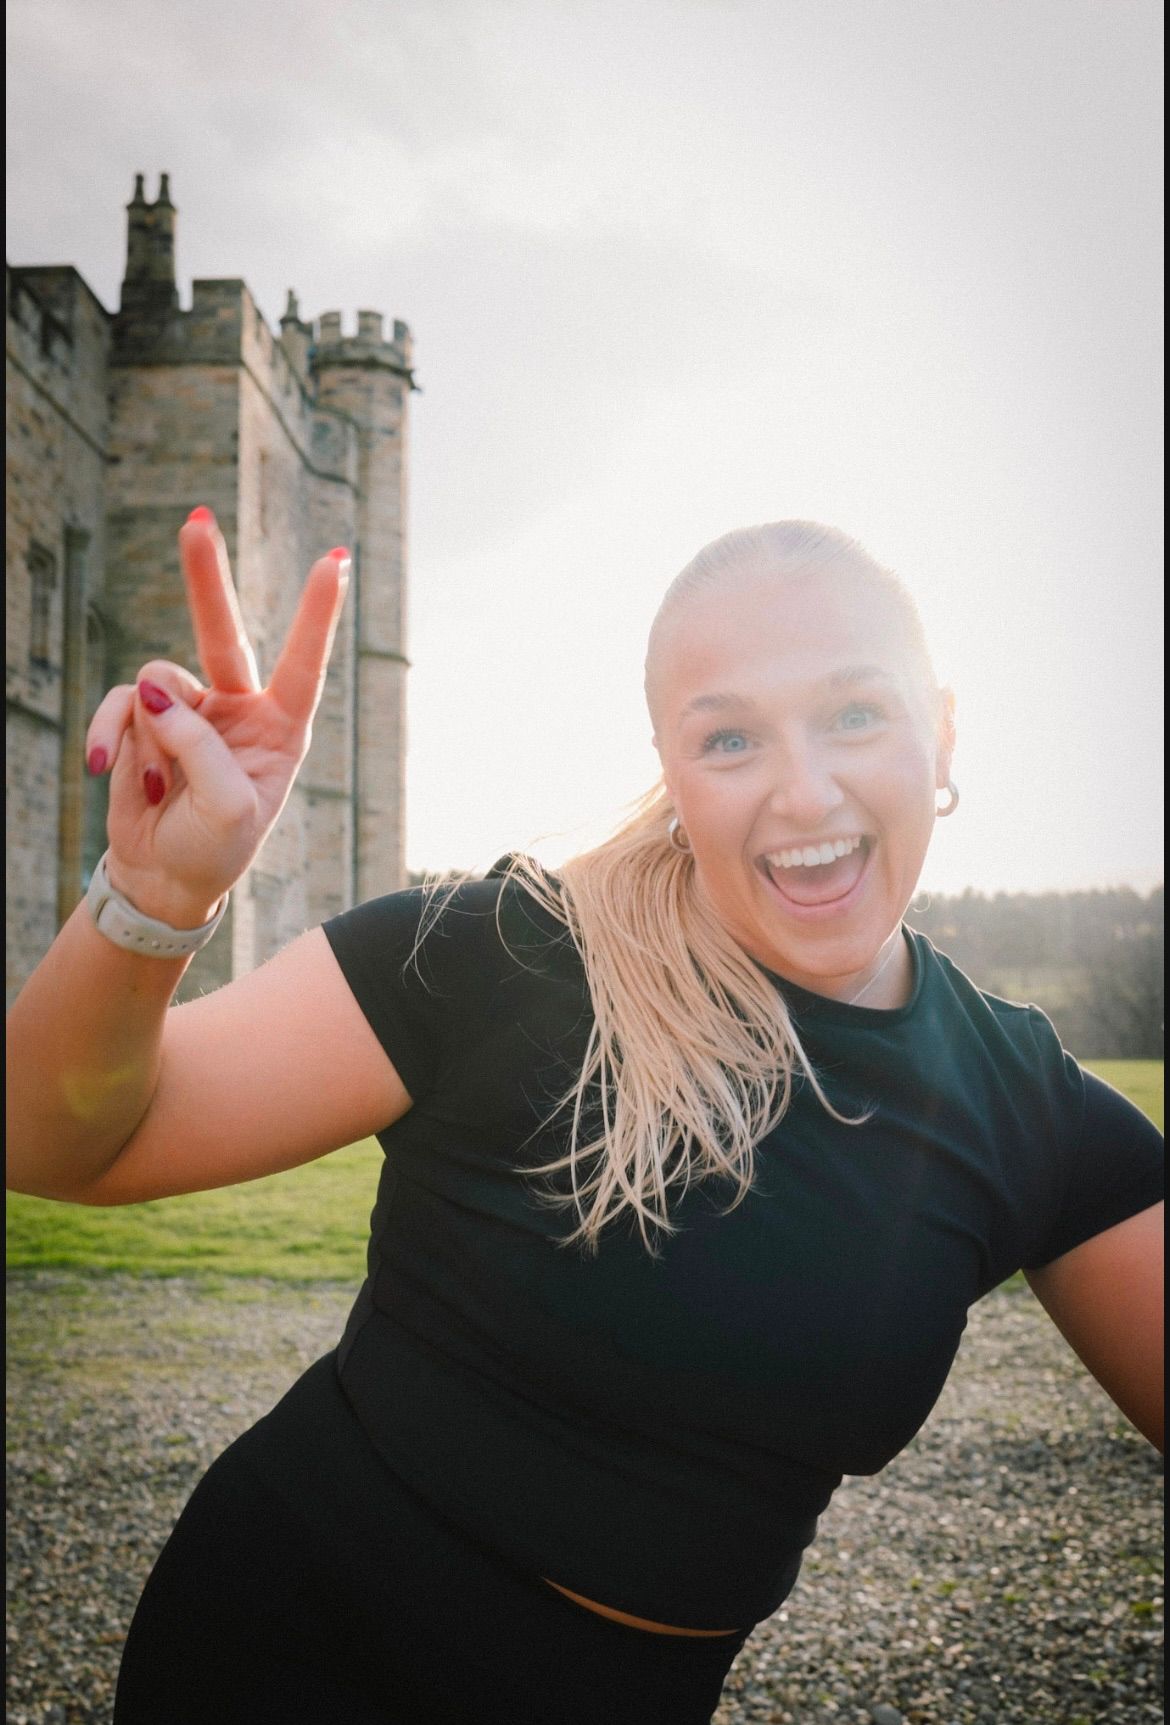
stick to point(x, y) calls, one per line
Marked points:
point(154, 699)
point(96, 761)
point(340, 552)
point(154, 785)
point(202, 513)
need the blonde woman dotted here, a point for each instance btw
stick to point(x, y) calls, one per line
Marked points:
point(695, 1159)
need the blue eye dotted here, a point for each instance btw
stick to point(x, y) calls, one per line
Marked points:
point(858, 716)
point(725, 743)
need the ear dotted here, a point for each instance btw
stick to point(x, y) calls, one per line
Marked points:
point(946, 737)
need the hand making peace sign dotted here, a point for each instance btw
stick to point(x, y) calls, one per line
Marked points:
point(200, 773)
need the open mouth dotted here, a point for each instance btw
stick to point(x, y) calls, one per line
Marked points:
point(810, 876)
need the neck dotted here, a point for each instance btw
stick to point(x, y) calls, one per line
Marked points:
point(885, 984)
point(889, 980)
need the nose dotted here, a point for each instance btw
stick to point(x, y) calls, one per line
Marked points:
point(805, 791)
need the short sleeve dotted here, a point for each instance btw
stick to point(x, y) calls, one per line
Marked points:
point(375, 945)
point(1115, 1170)
point(434, 970)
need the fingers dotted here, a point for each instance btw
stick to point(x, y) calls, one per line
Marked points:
point(161, 685)
point(170, 733)
point(134, 731)
point(107, 729)
point(300, 671)
point(112, 725)
point(225, 652)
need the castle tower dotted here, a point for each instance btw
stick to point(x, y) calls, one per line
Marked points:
point(149, 282)
point(368, 379)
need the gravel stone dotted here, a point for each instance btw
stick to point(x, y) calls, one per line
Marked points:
point(1006, 1569)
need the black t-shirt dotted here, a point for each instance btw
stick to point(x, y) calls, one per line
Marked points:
point(661, 1433)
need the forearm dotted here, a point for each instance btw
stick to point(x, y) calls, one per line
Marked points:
point(84, 1048)
point(198, 775)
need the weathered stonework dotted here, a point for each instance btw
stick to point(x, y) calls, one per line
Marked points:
point(118, 424)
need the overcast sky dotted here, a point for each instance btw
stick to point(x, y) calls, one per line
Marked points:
point(675, 266)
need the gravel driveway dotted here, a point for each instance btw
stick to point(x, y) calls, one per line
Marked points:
point(1005, 1570)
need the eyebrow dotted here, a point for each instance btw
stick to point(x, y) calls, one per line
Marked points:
point(719, 702)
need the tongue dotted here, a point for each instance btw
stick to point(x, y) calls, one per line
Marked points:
point(822, 883)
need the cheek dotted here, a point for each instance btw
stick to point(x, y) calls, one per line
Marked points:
point(716, 808)
point(908, 807)
point(908, 780)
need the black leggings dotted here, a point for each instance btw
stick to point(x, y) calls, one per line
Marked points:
point(304, 1585)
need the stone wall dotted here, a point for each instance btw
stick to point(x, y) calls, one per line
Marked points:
point(57, 339)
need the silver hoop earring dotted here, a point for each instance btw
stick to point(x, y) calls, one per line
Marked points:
point(952, 802)
point(676, 835)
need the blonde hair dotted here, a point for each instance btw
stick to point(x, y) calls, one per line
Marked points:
point(693, 1056)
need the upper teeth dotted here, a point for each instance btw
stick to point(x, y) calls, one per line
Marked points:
point(812, 855)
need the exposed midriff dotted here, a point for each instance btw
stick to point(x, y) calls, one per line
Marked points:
point(625, 1617)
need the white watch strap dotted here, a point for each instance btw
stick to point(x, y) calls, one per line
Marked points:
point(116, 918)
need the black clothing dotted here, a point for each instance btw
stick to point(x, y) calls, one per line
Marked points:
point(661, 1433)
point(658, 1434)
point(305, 1585)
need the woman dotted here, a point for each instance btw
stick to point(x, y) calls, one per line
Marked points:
point(696, 1158)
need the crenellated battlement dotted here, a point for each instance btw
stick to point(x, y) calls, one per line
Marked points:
point(57, 333)
point(46, 331)
point(368, 347)
point(55, 305)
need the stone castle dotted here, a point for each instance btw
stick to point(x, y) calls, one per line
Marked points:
point(118, 425)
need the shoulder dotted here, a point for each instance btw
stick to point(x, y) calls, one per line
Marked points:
point(1022, 1049)
point(436, 970)
point(457, 934)
point(504, 919)
point(1015, 1041)
point(940, 973)
point(944, 988)
point(1078, 1155)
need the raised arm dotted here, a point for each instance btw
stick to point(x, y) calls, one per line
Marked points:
point(111, 1096)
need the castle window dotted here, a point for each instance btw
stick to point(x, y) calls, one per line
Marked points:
point(42, 569)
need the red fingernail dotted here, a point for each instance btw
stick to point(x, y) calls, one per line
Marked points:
point(340, 552)
point(154, 699)
point(202, 513)
point(154, 785)
point(96, 761)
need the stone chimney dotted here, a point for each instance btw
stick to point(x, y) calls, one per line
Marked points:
point(149, 284)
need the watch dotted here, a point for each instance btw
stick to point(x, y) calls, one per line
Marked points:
point(119, 920)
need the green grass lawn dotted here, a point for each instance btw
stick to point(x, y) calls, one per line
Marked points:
point(308, 1225)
